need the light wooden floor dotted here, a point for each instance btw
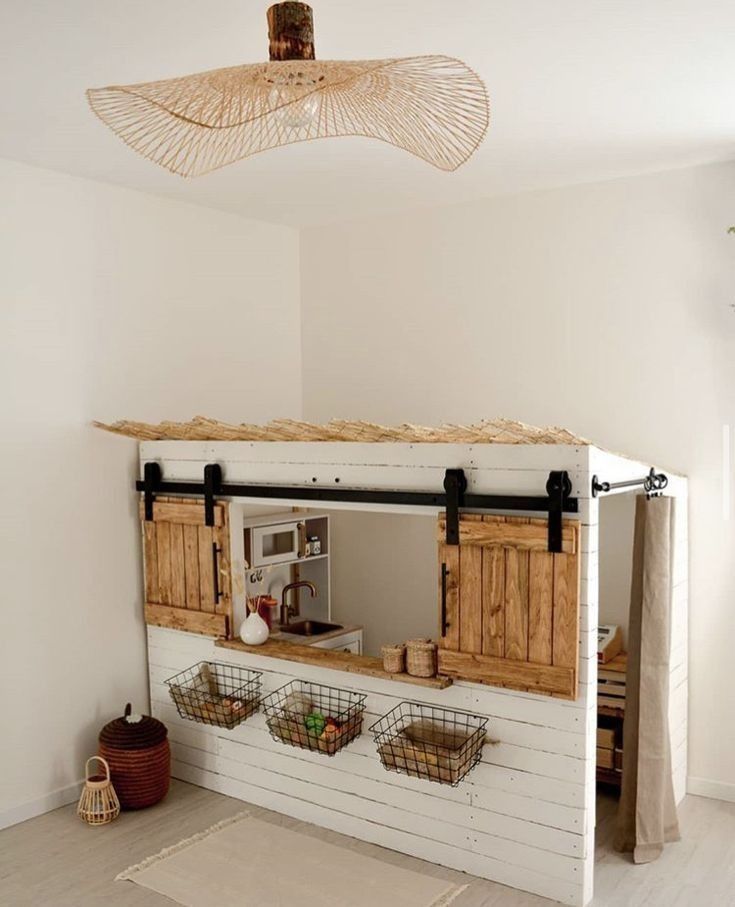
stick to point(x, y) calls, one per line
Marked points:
point(57, 861)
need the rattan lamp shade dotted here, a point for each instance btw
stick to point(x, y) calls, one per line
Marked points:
point(432, 106)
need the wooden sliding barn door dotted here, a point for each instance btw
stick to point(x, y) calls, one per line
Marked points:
point(187, 567)
point(510, 608)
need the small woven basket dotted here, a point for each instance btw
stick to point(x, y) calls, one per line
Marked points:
point(421, 657)
point(98, 803)
point(394, 659)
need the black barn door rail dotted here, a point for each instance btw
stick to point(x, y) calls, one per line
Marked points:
point(455, 498)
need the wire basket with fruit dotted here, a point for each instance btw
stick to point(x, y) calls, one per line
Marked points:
point(212, 692)
point(313, 716)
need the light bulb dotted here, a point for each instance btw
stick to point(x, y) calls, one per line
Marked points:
point(292, 107)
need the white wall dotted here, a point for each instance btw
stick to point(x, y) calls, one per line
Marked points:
point(384, 575)
point(603, 308)
point(112, 304)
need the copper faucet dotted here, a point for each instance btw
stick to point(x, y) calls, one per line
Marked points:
point(289, 611)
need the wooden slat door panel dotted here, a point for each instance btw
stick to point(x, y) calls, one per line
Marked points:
point(192, 589)
point(540, 604)
point(179, 562)
point(493, 601)
point(178, 570)
point(470, 599)
point(206, 569)
point(565, 612)
point(512, 606)
point(163, 560)
point(150, 562)
point(516, 598)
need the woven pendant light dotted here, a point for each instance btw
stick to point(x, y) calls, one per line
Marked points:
point(433, 106)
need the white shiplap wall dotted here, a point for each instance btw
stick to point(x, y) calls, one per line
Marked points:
point(525, 815)
point(520, 819)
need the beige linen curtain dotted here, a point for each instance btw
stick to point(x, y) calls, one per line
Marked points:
point(647, 812)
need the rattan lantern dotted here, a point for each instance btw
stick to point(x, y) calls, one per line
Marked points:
point(432, 106)
point(98, 803)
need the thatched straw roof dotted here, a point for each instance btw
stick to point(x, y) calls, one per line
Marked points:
point(497, 431)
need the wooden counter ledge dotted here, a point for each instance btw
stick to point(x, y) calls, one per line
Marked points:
point(336, 661)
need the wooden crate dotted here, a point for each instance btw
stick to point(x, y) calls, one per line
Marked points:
point(605, 758)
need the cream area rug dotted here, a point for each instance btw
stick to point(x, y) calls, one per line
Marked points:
point(246, 862)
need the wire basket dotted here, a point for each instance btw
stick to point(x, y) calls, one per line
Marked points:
point(431, 743)
point(313, 716)
point(214, 693)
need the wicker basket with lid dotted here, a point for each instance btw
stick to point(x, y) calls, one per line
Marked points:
point(421, 657)
point(136, 748)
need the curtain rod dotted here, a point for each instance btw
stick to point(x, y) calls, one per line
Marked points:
point(653, 484)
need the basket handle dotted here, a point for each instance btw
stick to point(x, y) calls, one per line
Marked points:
point(99, 759)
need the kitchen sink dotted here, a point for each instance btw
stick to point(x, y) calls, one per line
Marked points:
point(310, 628)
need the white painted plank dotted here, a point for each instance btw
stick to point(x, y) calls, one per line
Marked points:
point(461, 814)
point(548, 765)
point(541, 812)
point(566, 793)
point(542, 457)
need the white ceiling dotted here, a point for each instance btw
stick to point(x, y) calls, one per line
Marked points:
point(580, 90)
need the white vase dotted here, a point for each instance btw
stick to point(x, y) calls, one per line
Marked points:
point(254, 630)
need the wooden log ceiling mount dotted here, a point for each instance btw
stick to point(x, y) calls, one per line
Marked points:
point(434, 107)
point(291, 31)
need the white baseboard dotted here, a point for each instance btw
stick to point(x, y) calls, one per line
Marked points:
point(52, 800)
point(716, 790)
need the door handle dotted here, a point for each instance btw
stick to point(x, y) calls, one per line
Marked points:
point(445, 623)
point(215, 572)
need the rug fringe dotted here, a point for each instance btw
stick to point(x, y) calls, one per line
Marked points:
point(449, 897)
point(182, 845)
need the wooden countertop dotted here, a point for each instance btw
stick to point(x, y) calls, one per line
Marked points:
point(335, 661)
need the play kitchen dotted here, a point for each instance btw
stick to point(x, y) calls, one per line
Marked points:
point(287, 591)
point(466, 593)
